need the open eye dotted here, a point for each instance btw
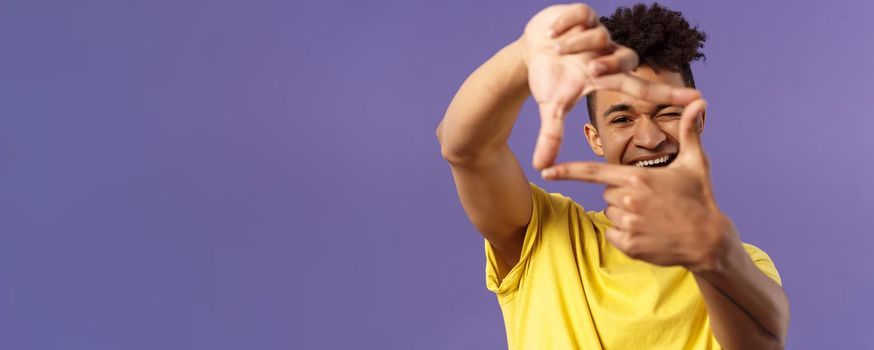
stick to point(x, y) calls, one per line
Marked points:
point(620, 119)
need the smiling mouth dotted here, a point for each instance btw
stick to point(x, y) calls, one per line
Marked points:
point(655, 163)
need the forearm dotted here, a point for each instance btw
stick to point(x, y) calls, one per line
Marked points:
point(480, 117)
point(747, 309)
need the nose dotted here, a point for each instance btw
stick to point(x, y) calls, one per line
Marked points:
point(648, 134)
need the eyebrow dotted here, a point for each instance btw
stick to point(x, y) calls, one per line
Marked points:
point(619, 107)
point(623, 107)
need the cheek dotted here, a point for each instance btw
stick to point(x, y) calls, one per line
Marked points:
point(671, 128)
point(615, 147)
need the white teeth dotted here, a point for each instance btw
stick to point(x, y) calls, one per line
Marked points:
point(661, 160)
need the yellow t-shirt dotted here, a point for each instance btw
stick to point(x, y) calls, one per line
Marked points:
point(574, 290)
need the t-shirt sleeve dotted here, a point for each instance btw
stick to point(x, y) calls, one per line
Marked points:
point(763, 262)
point(543, 210)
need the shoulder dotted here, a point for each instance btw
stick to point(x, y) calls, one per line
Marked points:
point(557, 205)
point(763, 261)
point(755, 252)
point(556, 202)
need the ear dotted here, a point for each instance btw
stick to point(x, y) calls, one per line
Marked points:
point(703, 118)
point(594, 139)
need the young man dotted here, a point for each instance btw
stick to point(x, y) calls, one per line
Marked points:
point(661, 266)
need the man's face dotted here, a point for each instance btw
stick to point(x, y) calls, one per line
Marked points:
point(636, 132)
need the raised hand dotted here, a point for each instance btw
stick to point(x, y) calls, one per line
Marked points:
point(666, 216)
point(569, 54)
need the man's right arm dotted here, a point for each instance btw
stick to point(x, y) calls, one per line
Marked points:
point(562, 49)
point(473, 138)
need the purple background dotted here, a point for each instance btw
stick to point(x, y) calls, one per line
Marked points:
point(265, 175)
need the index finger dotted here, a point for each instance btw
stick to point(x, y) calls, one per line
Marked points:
point(603, 173)
point(646, 90)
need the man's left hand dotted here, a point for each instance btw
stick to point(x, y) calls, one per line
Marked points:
point(665, 216)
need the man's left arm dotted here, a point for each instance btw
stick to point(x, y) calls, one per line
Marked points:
point(667, 216)
point(748, 309)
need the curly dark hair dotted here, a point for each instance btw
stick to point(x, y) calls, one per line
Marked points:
point(662, 38)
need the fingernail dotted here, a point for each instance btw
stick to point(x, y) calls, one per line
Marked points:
point(547, 173)
point(557, 48)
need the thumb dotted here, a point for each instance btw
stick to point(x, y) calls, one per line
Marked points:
point(551, 135)
point(690, 132)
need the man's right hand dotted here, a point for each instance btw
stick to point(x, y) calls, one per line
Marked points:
point(566, 47)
